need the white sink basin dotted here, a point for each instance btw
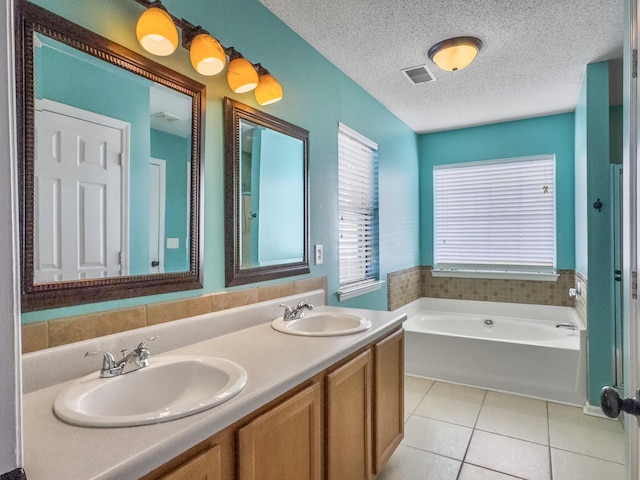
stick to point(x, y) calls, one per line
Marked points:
point(170, 387)
point(322, 324)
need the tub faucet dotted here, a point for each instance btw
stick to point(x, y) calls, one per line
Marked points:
point(569, 325)
point(130, 361)
point(294, 313)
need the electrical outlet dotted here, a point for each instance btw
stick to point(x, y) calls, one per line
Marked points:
point(319, 254)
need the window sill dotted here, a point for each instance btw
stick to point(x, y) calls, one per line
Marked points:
point(541, 277)
point(352, 292)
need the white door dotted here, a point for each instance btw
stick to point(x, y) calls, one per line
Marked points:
point(157, 198)
point(78, 199)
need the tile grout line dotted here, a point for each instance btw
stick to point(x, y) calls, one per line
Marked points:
point(473, 430)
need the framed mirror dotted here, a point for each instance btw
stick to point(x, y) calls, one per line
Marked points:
point(110, 167)
point(266, 196)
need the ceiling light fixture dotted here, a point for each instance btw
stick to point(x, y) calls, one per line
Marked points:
point(455, 53)
point(157, 33)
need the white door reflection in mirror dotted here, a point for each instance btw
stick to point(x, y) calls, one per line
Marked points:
point(81, 161)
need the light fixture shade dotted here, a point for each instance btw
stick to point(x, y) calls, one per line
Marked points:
point(241, 75)
point(268, 90)
point(156, 32)
point(207, 55)
point(455, 53)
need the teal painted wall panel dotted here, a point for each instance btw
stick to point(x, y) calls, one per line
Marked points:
point(599, 248)
point(316, 97)
point(542, 135)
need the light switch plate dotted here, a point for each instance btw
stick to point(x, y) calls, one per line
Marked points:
point(319, 256)
point(173, 243)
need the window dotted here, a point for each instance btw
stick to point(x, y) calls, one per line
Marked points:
point(358, 213)
point(496, 217)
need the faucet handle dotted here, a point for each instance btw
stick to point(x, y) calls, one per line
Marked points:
point(108, 363)
point(288, 311)
point(143, 344)
point(305, 304)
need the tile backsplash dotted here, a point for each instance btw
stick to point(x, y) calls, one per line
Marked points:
point(53, 333)
point(405, 286)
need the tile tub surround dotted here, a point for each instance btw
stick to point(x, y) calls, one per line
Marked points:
point(497, 436)
point(275, 363)
point(581, 300)
point(405, 286)
point(53, 333)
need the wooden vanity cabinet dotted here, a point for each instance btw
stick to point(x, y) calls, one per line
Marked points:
point(285, 442)
point(344, 424)
point(388, 398)
point(348, 444)
point(213, 459)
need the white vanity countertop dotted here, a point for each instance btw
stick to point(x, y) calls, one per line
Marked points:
point(275, 362)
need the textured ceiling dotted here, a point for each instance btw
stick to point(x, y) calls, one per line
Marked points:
point(532, 62)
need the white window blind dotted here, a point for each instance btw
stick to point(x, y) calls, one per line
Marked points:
point(358, 210)
point(496, 215)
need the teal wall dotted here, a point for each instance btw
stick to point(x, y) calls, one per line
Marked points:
point(174, 150)
point(592, 133)
point(316, 97)
point(543, 135)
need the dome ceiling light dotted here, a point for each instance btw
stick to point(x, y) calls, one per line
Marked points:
point(455, 53)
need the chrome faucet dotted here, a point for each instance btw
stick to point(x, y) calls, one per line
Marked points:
point(295, 313)
point(569, 325)
point(130, 361)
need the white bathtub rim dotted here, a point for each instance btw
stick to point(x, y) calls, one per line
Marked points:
point(524, 311)
point(568, 343)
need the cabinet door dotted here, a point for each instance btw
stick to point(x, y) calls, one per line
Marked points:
point(206, 466)
point(285, 443)
point(349, 420)
point(388, 399)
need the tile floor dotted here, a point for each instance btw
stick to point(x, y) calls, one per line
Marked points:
point(454, 432)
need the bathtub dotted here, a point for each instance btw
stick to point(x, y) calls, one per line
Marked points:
point(513, 348)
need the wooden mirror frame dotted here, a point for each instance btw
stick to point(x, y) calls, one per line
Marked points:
point(235, 275)
point(30, 18)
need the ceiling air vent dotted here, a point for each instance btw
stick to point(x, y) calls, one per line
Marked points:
point(418, 75)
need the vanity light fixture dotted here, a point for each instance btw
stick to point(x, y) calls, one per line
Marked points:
point(241, 74)
point(157, 33)
point(268, 90)
point(455, 53)
point(207, 55)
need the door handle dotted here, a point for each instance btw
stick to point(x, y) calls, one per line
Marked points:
point(612, 404)
point(155, 263)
